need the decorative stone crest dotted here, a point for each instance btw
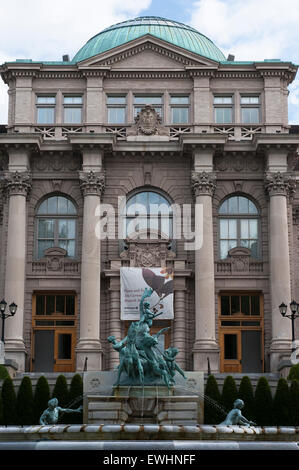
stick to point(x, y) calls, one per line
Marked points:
point(203, 183)
point(18, 183)
point(148, 122)
point(280, 184)
point(92, 183)
point(147, 253)
point(240, 257)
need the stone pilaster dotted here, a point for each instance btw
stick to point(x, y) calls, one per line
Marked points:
point(179, 327)
point(89, 345)
point(280, 187)
point(114, 323)
point(205, 346)
point(17, 187)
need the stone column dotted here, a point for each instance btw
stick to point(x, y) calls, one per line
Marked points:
point(179, 327)
point(89, 345)
point(18, 185)
point(279, 187)
point(205, 345)
point(114, 323)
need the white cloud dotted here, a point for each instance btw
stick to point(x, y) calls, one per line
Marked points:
point(252, 30)
point(43, 30)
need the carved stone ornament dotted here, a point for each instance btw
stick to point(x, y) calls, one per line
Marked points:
point(148, 122)
point(92, 183)
point(203, 183)
point(18, 183)
point(147, 254)
point(280, 184)
point(240, 257)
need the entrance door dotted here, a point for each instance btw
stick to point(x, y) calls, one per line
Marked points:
point(231, 351)
point(251, 351)
point(64, 345)
point(54, 350)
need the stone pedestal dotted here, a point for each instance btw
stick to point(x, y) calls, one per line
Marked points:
point(183, 404)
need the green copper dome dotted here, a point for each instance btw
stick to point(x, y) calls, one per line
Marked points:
point(173, 32)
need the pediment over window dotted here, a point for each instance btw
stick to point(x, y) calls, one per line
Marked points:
point(55, 251)
point(148, 53)
point(239, 251)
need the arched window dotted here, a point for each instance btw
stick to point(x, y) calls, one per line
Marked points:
point(239, 225)
point(56, 225)
point(147, 214)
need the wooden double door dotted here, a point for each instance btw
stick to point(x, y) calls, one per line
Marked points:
point(241, 350)
point(53, 350)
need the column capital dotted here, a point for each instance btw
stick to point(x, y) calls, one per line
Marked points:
point(92, 183)
point(280, 184)
point(203, 183)
point(17, 183)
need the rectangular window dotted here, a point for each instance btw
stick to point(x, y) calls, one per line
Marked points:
point(179, 106)
point(116, 109)
point(72, 106)
point(156, 101)
point(250, 109)
point(45, 106)
point(223, 109)
point(52, 304)
point(244, 304)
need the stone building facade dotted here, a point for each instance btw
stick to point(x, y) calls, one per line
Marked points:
point(217, 134)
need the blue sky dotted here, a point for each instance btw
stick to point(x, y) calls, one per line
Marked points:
point(251, 29)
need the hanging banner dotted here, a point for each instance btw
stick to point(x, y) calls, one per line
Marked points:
point(133, 282)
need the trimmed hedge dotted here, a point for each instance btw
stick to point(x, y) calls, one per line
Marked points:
point(246, 394)
point(75, 399)
point(281, 404)
point(294, 403)
point(294, 372)
point(263, 403)
point(212, 401)
point(229, 393)
point(9, 402)
point(25, 402)
point(41, 398)
point(3, 372)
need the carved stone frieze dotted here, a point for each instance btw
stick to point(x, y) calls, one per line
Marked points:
point(56, 162)
point(280, 184)
point(55, 262)
point(92, 183)
point(147, 253)
point(244, 162)
point(203, 183)
point(17, 183)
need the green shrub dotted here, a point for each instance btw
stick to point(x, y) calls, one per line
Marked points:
point(294, 372)
point(9, 402)
point(294, 403)
point(246, 394)
point(25, 402)
point(3, 372)
point(75, 400)
point(229, 393)
point(212, 403)
point(41, 398)
point(61, 393)
point(281, 404)
point(263, 403)
point(1, 411)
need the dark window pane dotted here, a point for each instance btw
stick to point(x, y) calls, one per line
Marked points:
point(70, 305)
point(250, 323)
point(60, 303)
point(50, 304)
point(225, 305)
point(230, 323)
point(235, 304)
point(230, 347)
point(245, 307)
point(255, 305)
point(40, 305)
point(64, 323)
point(44, 323)
point(64, 346)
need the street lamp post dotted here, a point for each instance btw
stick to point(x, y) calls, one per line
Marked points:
point(12, 310)
point(294, 307)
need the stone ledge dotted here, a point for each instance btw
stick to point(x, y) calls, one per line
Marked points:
point(144, 432)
